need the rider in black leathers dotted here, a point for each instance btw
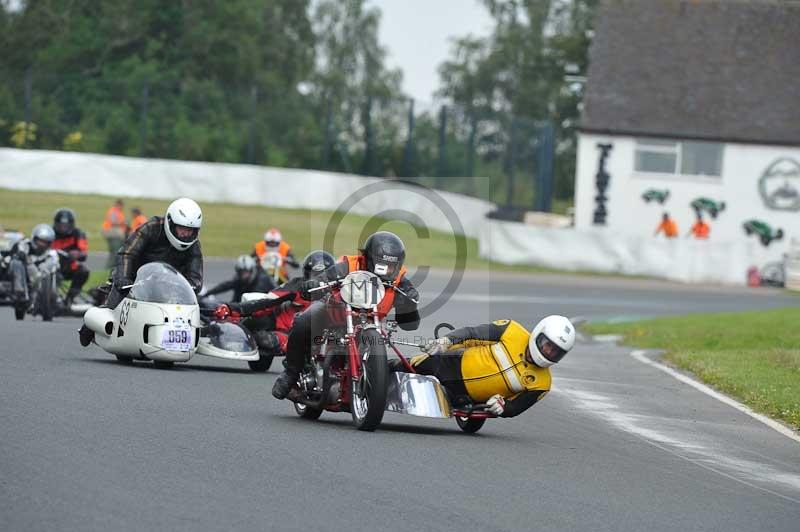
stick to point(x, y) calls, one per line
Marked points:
point(172, 239)
point(250, 277)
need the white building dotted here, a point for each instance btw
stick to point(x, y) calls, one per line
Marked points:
point(696, 99)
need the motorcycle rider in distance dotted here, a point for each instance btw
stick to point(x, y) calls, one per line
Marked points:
point(72, 241)
point(383, 254)
point(499, 363)
point(273, 243)
point(172, 239)
point(270, 320)
point(41, 240)
point(249, 278)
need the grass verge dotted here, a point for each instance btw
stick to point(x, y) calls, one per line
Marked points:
point(753, 356)
point(230, 230)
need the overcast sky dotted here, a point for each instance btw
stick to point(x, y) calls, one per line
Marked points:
point(417, 35)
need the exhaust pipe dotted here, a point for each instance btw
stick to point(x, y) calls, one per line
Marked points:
point(100, 320)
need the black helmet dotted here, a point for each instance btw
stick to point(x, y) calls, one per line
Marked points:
point(317, 262)
point(63, 222)
point(385, 254)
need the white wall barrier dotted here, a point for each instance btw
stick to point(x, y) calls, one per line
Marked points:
point(605, 251)
point(111, 175)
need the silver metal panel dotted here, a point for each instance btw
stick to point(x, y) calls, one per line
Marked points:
point(417, 395)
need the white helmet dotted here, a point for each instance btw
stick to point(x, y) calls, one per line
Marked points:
point(551, 339)
point(273, 237)
point(183, 215)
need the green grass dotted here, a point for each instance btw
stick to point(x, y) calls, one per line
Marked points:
point(230, 230)
point(96, 278)
point(753, 356)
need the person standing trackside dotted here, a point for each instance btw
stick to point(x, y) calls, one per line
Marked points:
point(114, 230)
point(700, 230)
point(667, 226)
point(137, 219)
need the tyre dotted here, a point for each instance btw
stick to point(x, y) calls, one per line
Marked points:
point(262, 364)
point(765, 240)
point(163, 364)
point(307, 412)
point(747, 230)
point(47, 298)
point(368, 397)
point(125, 360)
point(470, 426)
point(19, 311)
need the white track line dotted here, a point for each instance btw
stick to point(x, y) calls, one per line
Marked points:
point(771, 423)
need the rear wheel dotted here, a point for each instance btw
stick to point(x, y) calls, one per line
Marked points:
point(470, 426)
point(262, 364)
point(307, 412)
point(163, 364)
point(19, 311)
point(125, 360)
point(368, 395)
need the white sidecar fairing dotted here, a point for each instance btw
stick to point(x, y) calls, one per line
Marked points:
point(417, 395)
point(159, 320)
point(223, 339)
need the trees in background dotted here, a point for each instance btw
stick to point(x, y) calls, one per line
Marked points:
point(287, 83)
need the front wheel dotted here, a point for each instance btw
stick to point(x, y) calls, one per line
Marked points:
point(368, 394)
point(19, 311)
point(47, 298)
point(470, 426)
point(307, 412)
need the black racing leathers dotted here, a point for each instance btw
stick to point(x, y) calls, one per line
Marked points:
point(260, 283)
point(149, 244)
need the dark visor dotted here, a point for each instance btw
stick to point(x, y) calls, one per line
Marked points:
point(549, 349)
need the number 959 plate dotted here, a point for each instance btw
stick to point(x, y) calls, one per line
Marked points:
point(177, 339)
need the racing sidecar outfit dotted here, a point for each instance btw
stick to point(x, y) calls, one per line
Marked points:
point(283, 249)
point(73, 266)
point(150, 244)
point(487, 360)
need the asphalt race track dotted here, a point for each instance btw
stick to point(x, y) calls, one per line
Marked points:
point(89, 444)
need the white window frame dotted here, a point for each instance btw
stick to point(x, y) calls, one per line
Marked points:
point(653, 145)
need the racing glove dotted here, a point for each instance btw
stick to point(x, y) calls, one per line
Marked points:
point(228, 310)
point(222, 311)
point(496, 405)
point(439, 345)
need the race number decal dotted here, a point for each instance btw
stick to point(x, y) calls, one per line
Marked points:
point(177, 339)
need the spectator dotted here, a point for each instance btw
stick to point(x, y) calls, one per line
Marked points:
point(137, 219)
point(667, 226)
point(114, 230)
point(700, 229)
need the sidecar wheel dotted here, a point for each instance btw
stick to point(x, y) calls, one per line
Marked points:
point(470, 426)
point(125, 360)
point(307, 412)
point(163, 364)
point(262, 364)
